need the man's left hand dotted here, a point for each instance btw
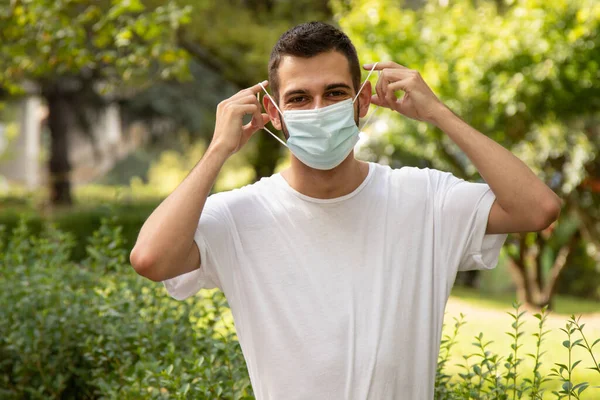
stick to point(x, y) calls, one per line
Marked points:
point(419, 102)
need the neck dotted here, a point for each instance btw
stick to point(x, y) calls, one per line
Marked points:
point(337, 182)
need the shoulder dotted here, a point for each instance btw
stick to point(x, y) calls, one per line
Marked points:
point(240, 198)
point(414, 179)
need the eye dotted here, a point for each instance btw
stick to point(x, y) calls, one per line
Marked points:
point(336, 93)
point(297, 99)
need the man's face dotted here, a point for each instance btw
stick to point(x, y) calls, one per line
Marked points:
point(315, 82)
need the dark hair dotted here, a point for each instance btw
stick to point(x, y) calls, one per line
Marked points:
point(308, 40)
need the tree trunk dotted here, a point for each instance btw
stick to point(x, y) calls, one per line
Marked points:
point(560, 263)
point(519, 271)
point(534, 289)
point(59, 165)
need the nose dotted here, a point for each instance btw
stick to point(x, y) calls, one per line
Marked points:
point(319, 102)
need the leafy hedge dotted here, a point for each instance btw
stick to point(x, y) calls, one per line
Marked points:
point(95, 330)
point(82, 221)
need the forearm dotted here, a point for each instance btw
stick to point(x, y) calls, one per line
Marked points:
point(167, 236)
point(518, 190)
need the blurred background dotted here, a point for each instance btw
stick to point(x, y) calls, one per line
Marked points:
point(114, 102)
point(105, 106)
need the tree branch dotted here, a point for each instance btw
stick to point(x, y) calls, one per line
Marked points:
point(204, 57)
point(559, 264)
point(539, 275)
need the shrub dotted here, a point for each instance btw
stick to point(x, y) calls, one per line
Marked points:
point(95, 330)
point(81, 331)
point(489, 376)
point(83, 221)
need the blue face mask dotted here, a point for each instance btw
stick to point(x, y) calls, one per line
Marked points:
point(321, 138)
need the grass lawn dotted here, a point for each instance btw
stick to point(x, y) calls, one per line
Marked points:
point(565, 305)
point(487, 314)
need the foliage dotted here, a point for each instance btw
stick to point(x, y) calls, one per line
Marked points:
point(81, 56)
point(96, 330)
point(81, 222)
point(82, 332)
point(234, 40)
point(236, 36)
point(524, 72)
point(583, 274)
point(172, 166)
point(115, 42)
point(488, 375)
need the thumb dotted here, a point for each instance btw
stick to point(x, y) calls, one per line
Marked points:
point(378, 102)
point(250, 128)
point(266, 119)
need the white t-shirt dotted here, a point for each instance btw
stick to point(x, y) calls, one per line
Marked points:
point(342, 298)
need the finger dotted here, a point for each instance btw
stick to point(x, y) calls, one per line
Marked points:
point(399, 85)
point(247, 99)
point(386, 96)
point(378, 102)
point(393, 75)
point(379, 88)
point(249, 129)
point(381, 65)
point(239, 110)
point(390, 96)
point(251, 100)
point(252, 90)
point(257, 119)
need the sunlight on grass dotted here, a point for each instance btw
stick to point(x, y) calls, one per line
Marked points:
point(488, 316)
point(565, 305)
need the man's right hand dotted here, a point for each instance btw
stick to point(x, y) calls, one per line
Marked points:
point(156, 255)
point(230, 133)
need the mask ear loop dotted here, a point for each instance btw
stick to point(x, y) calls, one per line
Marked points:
point(360, 90)
point(365, 82)
point(275, 104)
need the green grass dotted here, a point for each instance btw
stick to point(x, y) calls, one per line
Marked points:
point(564, 305)
point(487, 314)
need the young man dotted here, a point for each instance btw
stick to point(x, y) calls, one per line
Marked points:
point(337, 271)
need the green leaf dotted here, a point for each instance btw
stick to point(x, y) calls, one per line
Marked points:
point(562, 366)
point(580, 387)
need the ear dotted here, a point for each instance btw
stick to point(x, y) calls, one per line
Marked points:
point(364, 99)
point(273, 113)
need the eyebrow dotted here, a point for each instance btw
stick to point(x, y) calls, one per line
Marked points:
point(337, 86)
point(331, 86)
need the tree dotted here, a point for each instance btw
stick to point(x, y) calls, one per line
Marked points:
point(235, 37)
point(82, 54)
point(527, 75)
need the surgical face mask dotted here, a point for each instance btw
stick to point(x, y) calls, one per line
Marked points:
point(321, 138)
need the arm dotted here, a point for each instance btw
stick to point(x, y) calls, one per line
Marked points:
point(523, 202)
point(165, 247)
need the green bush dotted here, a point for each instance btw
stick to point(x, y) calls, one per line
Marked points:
point(488, 376)
point(95, 330)
point(82, 221)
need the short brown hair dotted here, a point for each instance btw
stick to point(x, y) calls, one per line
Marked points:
point(308, 40)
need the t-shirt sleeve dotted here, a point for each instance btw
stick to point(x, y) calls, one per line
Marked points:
point(214, 240)
point(462, 210)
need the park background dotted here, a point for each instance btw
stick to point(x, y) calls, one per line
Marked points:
point(105, 106)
